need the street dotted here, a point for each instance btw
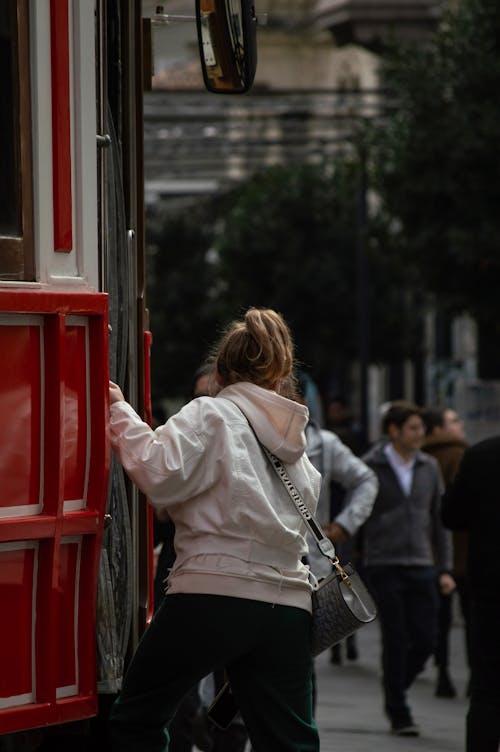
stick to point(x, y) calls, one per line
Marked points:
point(349, 711)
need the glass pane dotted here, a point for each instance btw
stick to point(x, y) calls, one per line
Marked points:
point(10, 172)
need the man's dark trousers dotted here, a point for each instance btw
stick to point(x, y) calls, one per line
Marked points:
point(407, 602)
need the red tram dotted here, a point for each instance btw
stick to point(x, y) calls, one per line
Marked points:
point(72, 311)
point(75, 547)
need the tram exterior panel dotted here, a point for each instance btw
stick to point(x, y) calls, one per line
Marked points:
point(55, 262)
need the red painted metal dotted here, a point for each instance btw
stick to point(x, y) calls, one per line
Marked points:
point(61, 126)
point(49, 556)
point(148, 406)
point(20, 408)
point(17, 580)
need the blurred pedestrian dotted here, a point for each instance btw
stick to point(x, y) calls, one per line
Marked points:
point(238, 595)
point(339, 419)
point(205, 381)
point(472, 503)
point(401, 539)
point(337, 464)
point(445, 441)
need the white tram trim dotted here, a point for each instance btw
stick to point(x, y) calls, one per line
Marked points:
point(72, 689)
point(72, 505)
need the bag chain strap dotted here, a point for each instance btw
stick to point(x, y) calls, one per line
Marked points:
point(324, 544)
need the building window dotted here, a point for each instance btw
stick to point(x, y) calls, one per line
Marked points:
point(16, 192)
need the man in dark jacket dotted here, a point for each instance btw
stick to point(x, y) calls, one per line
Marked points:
point(473, 504)
point(401, 540)
point(445, 441)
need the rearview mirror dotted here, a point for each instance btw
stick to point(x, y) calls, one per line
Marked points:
point(227, 39)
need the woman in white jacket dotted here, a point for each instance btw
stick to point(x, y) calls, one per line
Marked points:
point(238, 596)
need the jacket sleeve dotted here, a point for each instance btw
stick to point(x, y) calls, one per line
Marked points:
point(442, 538)
point(359, 481)
point(166, 464)
point(456, 507)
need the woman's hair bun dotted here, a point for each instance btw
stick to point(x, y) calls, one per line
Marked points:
point(258, 349)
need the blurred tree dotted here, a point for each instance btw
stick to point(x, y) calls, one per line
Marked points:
point(181, 290)
point(289, 241)
point(439, 158)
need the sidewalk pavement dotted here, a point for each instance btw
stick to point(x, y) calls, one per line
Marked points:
point(349, 710)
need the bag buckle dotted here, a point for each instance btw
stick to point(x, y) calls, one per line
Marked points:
point(343, 574)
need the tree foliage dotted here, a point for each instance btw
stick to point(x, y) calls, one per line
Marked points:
point(287, 239)
point(439, 158)
point(181, 283)
point(290, 241)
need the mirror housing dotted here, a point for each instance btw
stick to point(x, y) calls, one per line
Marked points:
point(227, 40)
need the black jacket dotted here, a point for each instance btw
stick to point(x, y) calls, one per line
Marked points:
point(472, 503)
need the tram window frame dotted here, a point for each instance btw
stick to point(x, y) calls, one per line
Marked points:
point(17, 247)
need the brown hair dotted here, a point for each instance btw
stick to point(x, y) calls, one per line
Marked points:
point(398, 413)
point(259, 349)
point(433, 417)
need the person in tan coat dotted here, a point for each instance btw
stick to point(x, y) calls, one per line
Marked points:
point(445, 441)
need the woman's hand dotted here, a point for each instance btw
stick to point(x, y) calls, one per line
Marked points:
point(115, 393)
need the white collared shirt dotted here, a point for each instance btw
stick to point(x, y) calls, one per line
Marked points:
point(404, 470)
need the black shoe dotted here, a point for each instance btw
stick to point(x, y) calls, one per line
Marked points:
point(444, 687)
point(351, 652)
point(335, 656)
point(405, 727)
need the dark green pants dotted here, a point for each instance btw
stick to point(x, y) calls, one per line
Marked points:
point(265, 650)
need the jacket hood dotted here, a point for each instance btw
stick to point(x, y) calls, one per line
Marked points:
point(278, 422)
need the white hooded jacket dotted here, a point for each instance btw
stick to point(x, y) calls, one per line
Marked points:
point(237, 531)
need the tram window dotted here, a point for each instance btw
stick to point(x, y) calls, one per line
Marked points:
point(16, 222)
point(10, 220)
